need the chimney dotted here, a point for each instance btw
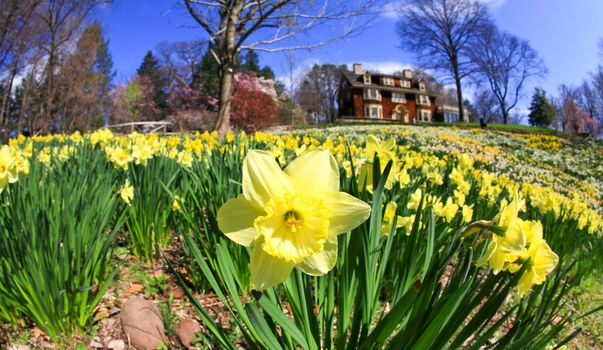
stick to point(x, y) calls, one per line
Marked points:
point(358, 69)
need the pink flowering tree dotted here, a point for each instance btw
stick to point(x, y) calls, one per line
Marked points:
point(254, 103)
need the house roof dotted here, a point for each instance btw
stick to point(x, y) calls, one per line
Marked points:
point(355, 81)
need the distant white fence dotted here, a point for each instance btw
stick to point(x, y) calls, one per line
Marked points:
point(144, 127)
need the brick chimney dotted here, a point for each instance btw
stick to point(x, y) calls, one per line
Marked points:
point(358, 69)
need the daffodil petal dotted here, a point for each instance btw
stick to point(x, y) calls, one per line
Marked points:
point(314, 171)
point(525, 282)
point(263, 179)
point(323, 262)
point(266, 270)
point(347, 212)
point(544, 262)
point(235, 219)
point(388, 144)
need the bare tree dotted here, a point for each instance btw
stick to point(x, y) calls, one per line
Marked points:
point(180, 59)
point(506, 63)
point(63, 21)
point(597, 88)
point(84, 82)
point(588, 99)
point(18, 39)
point(272, 26)
point(318, 92)
point(486, 105)
point(440, 32)
point(15, 21)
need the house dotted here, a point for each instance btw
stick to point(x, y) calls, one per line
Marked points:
point(364, 94)
point(450, 114)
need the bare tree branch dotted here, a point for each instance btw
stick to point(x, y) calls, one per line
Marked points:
point(273, 26)
point(440, 33)
point(506, 63)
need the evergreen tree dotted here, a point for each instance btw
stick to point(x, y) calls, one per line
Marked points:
point(251, 63)
point(267, 73)
point(542, 112)
point(207, 74)
point(104, 66)
point(151, 70)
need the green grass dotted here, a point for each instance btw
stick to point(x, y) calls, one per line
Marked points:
point(586, 297)
point(505, 127)
point(464, 125)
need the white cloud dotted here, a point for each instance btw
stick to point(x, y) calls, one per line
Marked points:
point(392, 9)
point(385, 67)
point(494, 4)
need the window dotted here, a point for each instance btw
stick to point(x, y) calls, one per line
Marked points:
point(398, 97)
point(424, 115)
point(421, 86)
point(388, 81)
point(423, 100)
point(453, 117)
point(405, 83)
point(373, 111)
point(367, 79)
point(372, 94)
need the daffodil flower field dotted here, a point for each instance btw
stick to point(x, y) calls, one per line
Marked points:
point(358, 237)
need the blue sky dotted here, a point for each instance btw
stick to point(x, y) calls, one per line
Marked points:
point(564, 33)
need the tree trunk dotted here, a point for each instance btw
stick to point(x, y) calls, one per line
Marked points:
point(459, 89)
point(50, 86)
point(459, 96)
point(227, 64)
point(223, 122)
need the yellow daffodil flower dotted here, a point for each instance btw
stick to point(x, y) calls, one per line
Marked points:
point(415, 200)
point(185, 158)
point(176, 203)
point(127, 192)
point(119, 157)
point(385, 151)
point(505, 248)
point(407, 222)
point(540, 259)
point(290, 218)
point(467, 212)
point(388, 218)
point(450, 210)
point(141, 152)
point(8, 170)
point(403, 178)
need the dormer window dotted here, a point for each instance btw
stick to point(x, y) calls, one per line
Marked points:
point(367, 78)
point(372, 94)
point(405, 83)
point(422, 86)
point(388, 81)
